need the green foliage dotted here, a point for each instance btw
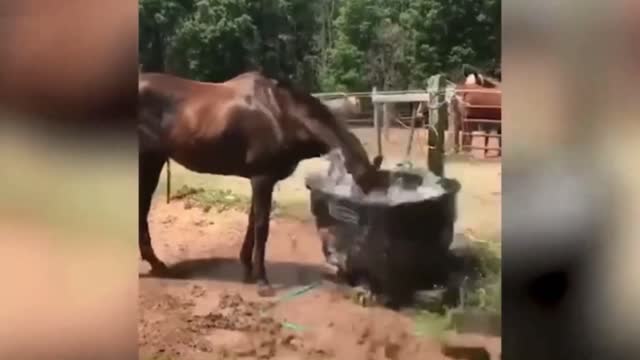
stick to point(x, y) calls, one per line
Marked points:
point(217, 40)
point(482, 297)
point(486, 293)
point(325, 45)
point(220, 200)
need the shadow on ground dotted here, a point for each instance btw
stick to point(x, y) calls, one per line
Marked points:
point(281, 274)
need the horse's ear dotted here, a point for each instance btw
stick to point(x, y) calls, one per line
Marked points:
point(479, 78)
point(377, 162)
point(465, 71)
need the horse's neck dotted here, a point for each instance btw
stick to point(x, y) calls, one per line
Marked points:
point(325, 129)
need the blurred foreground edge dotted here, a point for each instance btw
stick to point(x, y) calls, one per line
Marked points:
point(75, 64)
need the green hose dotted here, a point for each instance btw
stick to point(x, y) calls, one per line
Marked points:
point(292, 294)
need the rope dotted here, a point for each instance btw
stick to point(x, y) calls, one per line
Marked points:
point(438, 105)
point(410, 142)
point(434, 131)
point(449, 93)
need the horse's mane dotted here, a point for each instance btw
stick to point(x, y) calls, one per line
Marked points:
point(469, 69)
point(316, 108)
point(321, 112)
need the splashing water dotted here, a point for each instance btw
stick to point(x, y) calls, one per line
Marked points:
point(340, 183)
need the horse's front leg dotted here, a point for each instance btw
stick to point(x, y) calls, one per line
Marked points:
point(150, 165)
point(499, 131)
point(487, 136)
point(246, 253)
point(262, 188)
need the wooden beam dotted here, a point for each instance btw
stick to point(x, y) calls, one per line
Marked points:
point(399, 98)
point(482, 121)
point(475, 147)
point(480, 134)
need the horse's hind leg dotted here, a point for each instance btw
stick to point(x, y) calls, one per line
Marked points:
point(262, 188)
point(149, 165)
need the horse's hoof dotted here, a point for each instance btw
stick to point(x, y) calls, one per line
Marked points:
point(265, 290)
point(363, 296)
point(159, 268)
point(248, 277)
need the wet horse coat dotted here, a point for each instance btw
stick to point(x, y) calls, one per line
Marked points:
point(250, 126)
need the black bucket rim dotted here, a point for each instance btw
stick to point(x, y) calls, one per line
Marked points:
point(451, 186)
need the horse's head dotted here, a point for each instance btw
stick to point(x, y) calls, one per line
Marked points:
point(344, 107)
point(353, 103)
point(369, 177)
point(474, 79)
point(366, 174)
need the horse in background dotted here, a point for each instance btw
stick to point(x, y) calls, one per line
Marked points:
point(485, 105)
point(463, 106)
point(344, 107)
point(250, 126)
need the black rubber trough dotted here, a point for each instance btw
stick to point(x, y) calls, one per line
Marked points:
point(392, 248)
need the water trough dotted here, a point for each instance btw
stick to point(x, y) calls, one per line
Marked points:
point(394, 242)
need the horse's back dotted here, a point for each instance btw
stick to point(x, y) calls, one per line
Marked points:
point(220, 127)
point(483, 102)
point(171, 84)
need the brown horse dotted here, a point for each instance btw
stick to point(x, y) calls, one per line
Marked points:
point(250, 126)
point(484, 105)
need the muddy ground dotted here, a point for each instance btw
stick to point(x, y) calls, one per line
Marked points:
point(206, 312)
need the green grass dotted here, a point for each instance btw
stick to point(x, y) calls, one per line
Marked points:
point(224, 199)
point(208, 199)
point(432, 324)
point(486, 293)
point(482, 295)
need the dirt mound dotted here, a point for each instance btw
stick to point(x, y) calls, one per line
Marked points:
point(239, 318)
point(234, 313)
point(158, 334)
point(235, 329)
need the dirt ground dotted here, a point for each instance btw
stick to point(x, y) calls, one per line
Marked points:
point(206, 312)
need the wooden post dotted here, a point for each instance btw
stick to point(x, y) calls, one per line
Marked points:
point(438, 117)
point(376, 122)
point(386, 119)
point(456, 118)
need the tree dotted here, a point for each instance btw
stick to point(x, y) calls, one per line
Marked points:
point(157, 22)
point(328, 45)
point(451, 33)
point(217, 41)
